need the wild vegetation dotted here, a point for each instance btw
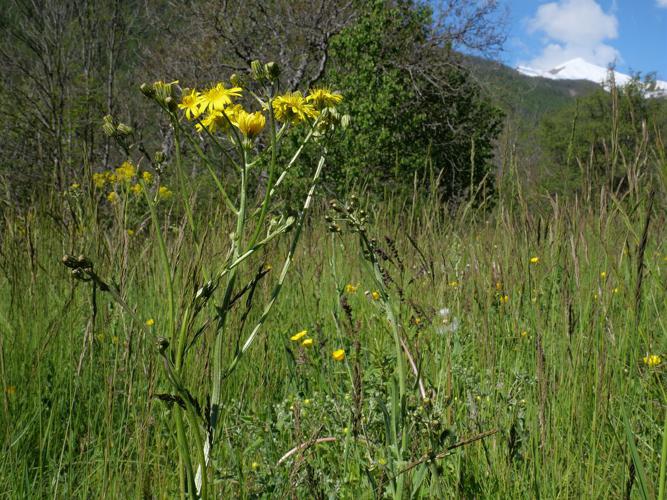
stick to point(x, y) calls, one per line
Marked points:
point(350, 269)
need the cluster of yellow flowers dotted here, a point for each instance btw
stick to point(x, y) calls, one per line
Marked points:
point(215, 110)
point(128, 176)
point(301, 337)
point(652, 360)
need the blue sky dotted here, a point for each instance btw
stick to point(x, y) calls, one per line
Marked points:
point(543, 33)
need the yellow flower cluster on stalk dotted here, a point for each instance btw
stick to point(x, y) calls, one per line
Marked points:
point(652, 360)
point(214, 109)
point(126, 177)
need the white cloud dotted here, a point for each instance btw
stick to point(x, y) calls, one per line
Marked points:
point(661, 3)
point(574, 28)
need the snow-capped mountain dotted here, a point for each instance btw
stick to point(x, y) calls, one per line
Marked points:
point(580, 69)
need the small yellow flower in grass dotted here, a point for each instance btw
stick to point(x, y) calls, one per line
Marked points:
point(603, 274)
point(382, 461)
point(307, 402)
point(418, 320)
point(524, 333)
point(10, 390)
point(499, 285)
point(454, 284)
point(125, 172)
point(323, 98)
point(250, 124)
point(298, 336)
point(338, 355)
point(164, 193)
point(293, 108)
point(217, 97)
point(191, 104)
point(99, 179)
point(130, 232)
point(147, 176)
point(534, 260)
point(350, 288)
point(75, 186)
point(504, 299)
point(307, 343)
point(150, 322)
point(112, 197)
point(375, 295)
point(652, 360)
point(255, 465)
point(136, 189)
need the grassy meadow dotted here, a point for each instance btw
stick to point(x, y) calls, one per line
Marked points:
point(529, 375)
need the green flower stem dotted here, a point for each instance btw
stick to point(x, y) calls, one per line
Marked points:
point(182, 182)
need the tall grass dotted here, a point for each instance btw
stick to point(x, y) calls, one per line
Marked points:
point(541, 360)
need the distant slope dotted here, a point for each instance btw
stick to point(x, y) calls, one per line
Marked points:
point(524, 97)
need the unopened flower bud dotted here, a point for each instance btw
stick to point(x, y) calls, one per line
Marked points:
point(272, 70)
point(108, 127)
point(147, 90)
point(124, 129)
point(257, 70)
point(160, 157)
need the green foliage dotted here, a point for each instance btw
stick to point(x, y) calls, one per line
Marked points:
point(409, 111)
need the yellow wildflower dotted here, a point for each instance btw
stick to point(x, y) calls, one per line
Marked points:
point(254, 466)
point(350, 288)
point(499, 285)
point(217, 97)
point(298, 336)
point(147, 176)
point(454, 284)
point(418, 320)
point(307, 343)
point(130, 232)
point(99, 179)
point(191, 104)
point(112, 197)
point(125, 172)
point(323, 98)
point(524, 333)
point(616, 290)
point(150, 322)
point(652, 360)
point(603, 274)
point(250, 124)
point(136, 189)
point(338, 355)
point(375, 295)
point(75, 186)
point(504, 299)
point(534, 260)
point(164, 193)
point(293, 108)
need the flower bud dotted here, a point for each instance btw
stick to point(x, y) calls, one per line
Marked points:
point(124, 129)
point(272, 70)
point(160, 157)
point(147, 90)
point(108, 127)
point(257, 71)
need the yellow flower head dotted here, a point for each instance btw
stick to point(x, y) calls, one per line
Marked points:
point(147, 176)
point(323, 98)
point(307, 343)
point(217, 97)
point(250, 124)
point(130, 232)
point(652, 360)
point(499, 285)
point(191, 104)
point(255, 465)
point(375, 295)
point(164, 193)
point(293, 108)
point(298, 336)
point(99, 180)
point(136, 189)
point(534, 260)
point(75, 186)
point(338, 355)
point(112, 197)
point(454, 284)
point(504, 299)
point(350, 288)
point(125, 172)
point(603, 275)
point(150, 322)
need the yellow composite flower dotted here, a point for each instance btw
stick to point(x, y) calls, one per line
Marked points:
point(112, 197)
point(147, 176)
point(150, 322)
point(130, 232)
point(375, 295)
point(350, 288)
point(217, 97)
point(307, 343)
point(298, 336)
point(338, 355)
point(323, 98)
point(136, 189)
point(164, 193)
point(191, 104)
point(293, 108)
point(652, 360)
point(504, 299)
point(99, 179)
point(454, 284)
point(125, 172)
point(219, 119)
point(534, 260)
point(250, 124)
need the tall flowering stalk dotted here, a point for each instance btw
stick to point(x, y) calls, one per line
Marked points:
point(248, 138)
